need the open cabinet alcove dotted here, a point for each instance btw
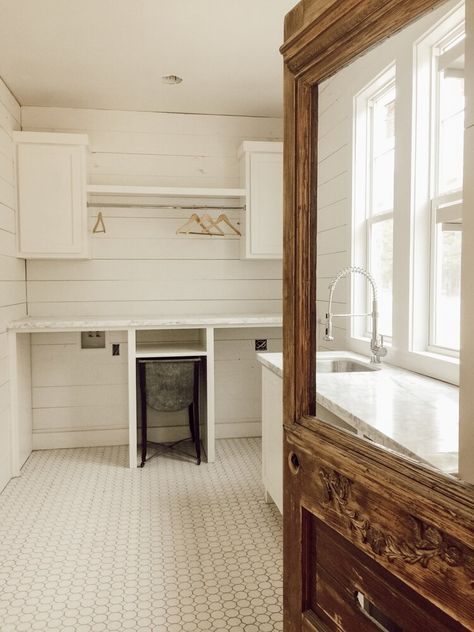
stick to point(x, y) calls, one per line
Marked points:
point(362, 525)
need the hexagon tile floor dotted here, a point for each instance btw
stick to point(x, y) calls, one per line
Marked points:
point(87, 545)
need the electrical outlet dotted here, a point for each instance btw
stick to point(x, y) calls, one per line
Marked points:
point(93, 340)
point(261, 345)
point(115, 349)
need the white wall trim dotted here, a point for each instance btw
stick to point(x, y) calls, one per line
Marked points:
point(119, 436)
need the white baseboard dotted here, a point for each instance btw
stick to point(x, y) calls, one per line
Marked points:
point(239, 429)
point(79, 438)
point(119, 436)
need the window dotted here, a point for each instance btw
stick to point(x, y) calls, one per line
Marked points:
point(379, 212)
point(408, 128)
point(447, 180)
point(374, 187)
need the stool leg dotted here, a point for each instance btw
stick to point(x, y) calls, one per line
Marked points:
point(191, 421)
point(196, 437)
point(144, 420)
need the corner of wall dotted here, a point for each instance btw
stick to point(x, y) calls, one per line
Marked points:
point(12, 270)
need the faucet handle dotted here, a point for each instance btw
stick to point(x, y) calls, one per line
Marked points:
point(328, 332)
point(382, 350)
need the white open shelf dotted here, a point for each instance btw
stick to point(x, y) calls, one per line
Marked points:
point(113, 189)
point(169, 349)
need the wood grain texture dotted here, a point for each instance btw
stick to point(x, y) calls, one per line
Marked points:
point(412, 522)
point(344, 31)
point(304, 13)
point(401, 605)
point(402, 530)
point(289, 269)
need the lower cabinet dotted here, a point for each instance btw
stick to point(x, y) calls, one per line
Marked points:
point(272, 434)
point(272, 437)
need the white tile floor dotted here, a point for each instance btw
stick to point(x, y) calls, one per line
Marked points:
point(86, 545)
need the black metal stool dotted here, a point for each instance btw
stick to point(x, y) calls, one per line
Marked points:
point(169, 385)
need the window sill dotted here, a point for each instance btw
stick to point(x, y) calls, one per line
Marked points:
point(439, 357)
point(435, 365)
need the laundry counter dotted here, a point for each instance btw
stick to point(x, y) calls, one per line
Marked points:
point(141, 342)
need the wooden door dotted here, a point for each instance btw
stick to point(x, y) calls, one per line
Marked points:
point(372, 540)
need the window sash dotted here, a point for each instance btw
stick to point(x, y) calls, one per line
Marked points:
point(372, 101)
point(370, 222)
point(363, 214)
point(441, 60)
point(445, 59)
point(447, 211)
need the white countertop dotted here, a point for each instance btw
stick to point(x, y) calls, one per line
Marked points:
point(404, 411)
point(91, 323)
point(273, 361)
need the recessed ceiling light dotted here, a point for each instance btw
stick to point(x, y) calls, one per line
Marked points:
point(171, 79)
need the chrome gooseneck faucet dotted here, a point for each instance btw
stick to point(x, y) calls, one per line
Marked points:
point(376, 342)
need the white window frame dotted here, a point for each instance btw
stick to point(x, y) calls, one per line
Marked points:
point(363, 218)
point(447, 211)
point(413, 211)
point(446, 208)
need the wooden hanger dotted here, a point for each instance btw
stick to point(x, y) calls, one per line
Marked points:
point(223, 218)
point(206, 224)
point(186, 228)
point(209, 220)
point(99, 226)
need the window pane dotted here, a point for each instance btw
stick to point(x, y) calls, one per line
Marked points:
point(384, 122)
point(381, 267)
point(382, 189)
point(383, 150)
point(451, 130)
point(448, 289)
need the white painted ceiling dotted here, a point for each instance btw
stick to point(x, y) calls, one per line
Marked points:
point(112, 54)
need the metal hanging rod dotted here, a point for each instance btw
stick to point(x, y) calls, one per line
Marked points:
point(167, 206)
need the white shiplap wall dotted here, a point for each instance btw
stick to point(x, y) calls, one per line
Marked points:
point(334, 199)
point(12, 270)
point(140, 266)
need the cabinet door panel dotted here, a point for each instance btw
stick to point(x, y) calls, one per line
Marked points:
point(52, 216)
point(266, 204)
point(272, 436)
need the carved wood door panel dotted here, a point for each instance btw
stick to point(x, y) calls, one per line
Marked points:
point(372, 540)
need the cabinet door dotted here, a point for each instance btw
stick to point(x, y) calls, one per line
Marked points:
point(52, 212)
point(272, 436)
point(265, 206)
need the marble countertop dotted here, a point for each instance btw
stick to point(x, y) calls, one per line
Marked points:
point(404, 411)
point(273, 361)
point(91, 323)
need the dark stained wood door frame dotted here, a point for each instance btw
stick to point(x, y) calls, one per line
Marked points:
point(403, 516)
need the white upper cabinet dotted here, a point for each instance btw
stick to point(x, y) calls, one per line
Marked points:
point(52, 197)
point(262, 177)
